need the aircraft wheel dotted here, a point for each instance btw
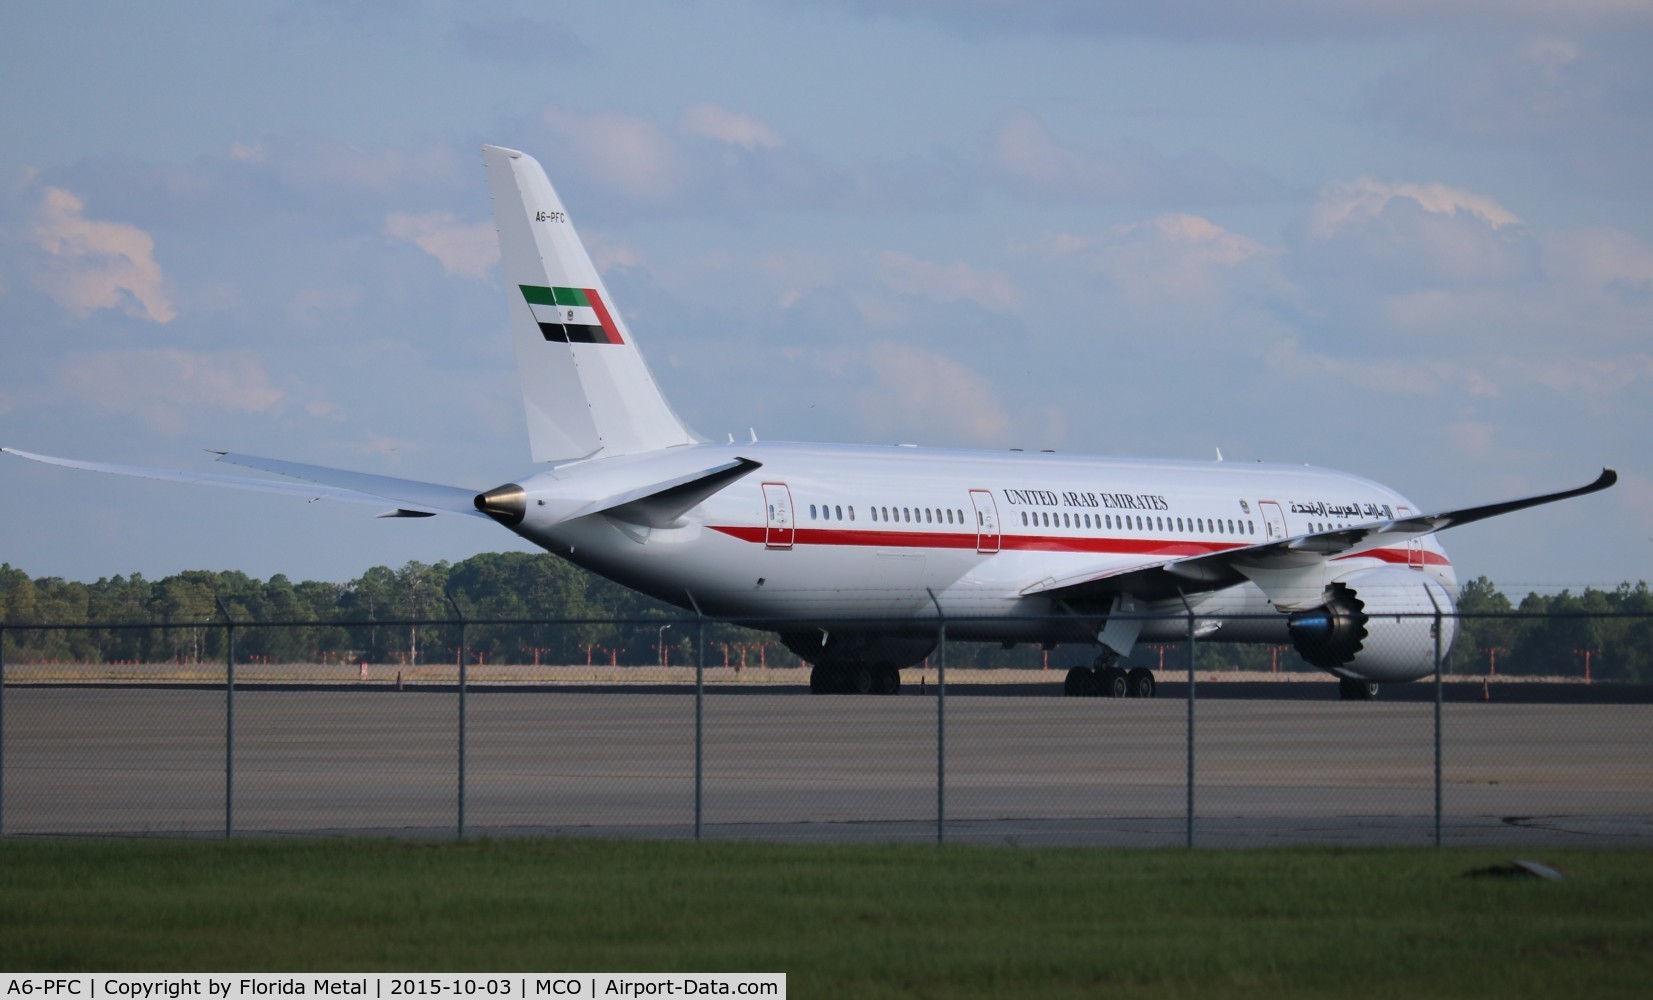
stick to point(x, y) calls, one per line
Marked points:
point(1353, 690)
point(861, 679)
point(887, 680)
point(1078, 682)
point(1141, 683)
point(821, 680)
point(1116, 683)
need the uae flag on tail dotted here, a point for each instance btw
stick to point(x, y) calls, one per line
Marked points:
point(571, 315)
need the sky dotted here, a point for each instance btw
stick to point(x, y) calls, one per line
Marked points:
point(1409, 240)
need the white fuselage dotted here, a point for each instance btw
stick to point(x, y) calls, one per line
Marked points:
point(901, 534)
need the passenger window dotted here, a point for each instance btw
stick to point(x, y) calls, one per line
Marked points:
point(852, 513)
point(838, 513)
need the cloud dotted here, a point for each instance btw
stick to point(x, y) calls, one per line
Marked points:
point(712, 160)
point(708, 121)
point(1575, 101)
point(1347, 204)
point(1369, 238)
point(1181, 260)
point(316, 307)
point(1174, 275)
point(915, 392)
point(1028, 155)
point(952, 282)
point(1266, 20)
point(85, 264)
point(1434, 261)
point(629, 154)
point(161, 386)
point(466, 250)
point(1586, 379)
point(524, 40)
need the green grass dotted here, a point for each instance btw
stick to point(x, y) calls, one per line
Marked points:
point(864, 921)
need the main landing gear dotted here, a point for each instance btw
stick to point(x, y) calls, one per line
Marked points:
point(1109, 680)
point(854, 678)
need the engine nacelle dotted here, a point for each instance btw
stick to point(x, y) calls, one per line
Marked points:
point(857, 648)
point(1376, 625)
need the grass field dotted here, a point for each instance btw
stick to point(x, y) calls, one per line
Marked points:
point(844, 920)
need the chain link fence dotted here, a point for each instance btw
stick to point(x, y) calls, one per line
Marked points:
point(688, 728)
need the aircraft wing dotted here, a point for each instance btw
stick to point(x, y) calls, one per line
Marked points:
point(1155, 579)
point(408, 498)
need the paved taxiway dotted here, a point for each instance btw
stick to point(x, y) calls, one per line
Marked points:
point(788, 766)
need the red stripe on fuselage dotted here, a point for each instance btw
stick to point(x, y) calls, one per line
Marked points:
point(1169, 548)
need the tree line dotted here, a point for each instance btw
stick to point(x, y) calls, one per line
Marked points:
point(1541, 635)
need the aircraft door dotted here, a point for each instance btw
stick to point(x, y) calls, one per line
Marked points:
point(987, 521)
point(1274, 520)
point(778, 526)
point(1414, 552)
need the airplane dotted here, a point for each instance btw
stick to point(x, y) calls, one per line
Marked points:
point(853, 554)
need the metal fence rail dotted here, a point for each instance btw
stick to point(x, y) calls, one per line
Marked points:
point(729, 744)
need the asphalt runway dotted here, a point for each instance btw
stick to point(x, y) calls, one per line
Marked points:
point(782, 766)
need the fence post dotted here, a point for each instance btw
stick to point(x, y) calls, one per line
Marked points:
point(2, 729)
point(941, 738)
point(699, 718)
point(464, 655)
point(941, 720)
point(1188, 831)
point(1438, 699)
point(229, 717)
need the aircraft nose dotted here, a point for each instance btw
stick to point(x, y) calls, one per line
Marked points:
point(506, 504)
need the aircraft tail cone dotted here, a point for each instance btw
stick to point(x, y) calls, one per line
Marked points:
point(506, 504)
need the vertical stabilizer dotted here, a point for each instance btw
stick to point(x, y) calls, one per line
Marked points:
point(584, 383)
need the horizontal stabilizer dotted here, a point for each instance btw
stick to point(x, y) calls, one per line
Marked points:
point(347, 487)
point(429, 496)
